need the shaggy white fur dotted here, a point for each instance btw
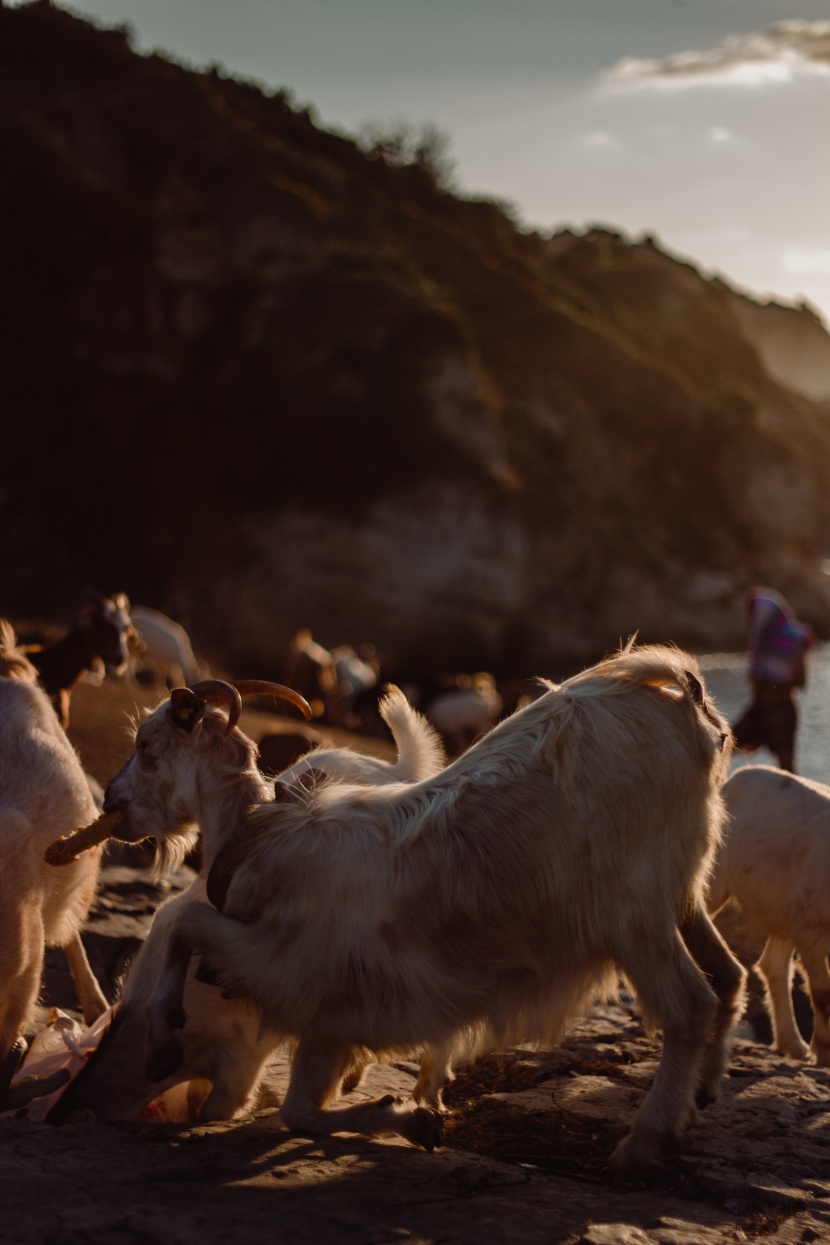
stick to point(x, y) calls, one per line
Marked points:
point(491, 901)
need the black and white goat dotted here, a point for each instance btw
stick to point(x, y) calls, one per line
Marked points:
point(100, 639)
point(491, 902)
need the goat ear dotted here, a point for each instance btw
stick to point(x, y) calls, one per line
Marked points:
point(186, 709)
point(695, 688)
point(289, 793)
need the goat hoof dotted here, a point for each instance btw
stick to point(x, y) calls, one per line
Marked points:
point(799, 1052)
point(164, 1059)
point(12, 1061)
point(426, 1129)
point(704, 1097)
point(631, 1163)
point(820, 1052)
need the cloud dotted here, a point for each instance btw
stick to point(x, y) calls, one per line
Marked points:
point(810, 260)
point(596, 138)
point(781, 53)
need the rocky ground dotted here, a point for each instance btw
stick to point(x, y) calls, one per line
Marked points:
point(526, 1142)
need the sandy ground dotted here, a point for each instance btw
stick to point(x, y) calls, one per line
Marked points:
point(526, 1142)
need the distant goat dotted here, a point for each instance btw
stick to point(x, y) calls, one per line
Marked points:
point(225, 1045)
point(334, 682)
point(167, 646)
point(465, 711)
point(310, 670)
point(775, 865)
point(357, 680)
point(43, 794)
point(492, 901)
point(100, 637)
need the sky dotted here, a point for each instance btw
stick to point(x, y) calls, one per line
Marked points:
point(704, 123)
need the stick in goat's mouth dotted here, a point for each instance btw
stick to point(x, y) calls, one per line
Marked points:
point(71, 846)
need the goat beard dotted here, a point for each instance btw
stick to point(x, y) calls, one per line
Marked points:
point(172, 847)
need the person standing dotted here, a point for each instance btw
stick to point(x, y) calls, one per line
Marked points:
point(778, 644)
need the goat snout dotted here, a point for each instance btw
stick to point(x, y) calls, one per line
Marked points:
point(114, 803)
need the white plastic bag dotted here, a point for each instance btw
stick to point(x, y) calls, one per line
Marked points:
point(66, 1044)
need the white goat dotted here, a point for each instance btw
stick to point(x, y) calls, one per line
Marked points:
point(225, 1046)
point(43, 794)
point(167, 645)
point(466, 711)
point(420, 751)
point(775, 865)
point(497, 898)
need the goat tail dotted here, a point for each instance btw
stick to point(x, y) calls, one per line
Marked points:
point(8, 639)
point(420, 749)
point(14, 664)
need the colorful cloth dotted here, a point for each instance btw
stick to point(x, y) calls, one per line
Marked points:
point(777, 640)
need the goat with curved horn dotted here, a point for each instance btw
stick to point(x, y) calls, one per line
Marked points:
point(262, 687)
point(187, 704)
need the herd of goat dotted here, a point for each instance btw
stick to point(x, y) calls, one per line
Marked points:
point(353, 909)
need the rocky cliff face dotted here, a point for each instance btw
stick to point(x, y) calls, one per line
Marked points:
point(261, 379)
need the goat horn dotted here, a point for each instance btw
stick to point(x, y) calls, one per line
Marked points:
point(261, 687)
point(225, 693)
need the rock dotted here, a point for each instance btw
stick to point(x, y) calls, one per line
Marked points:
point(525, 1159)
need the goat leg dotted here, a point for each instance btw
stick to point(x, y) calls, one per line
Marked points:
point(727, 978)
point(814, 964)
point(165, 1013)
point(316, 1074)
point(435, 1072)
point(775, 968)
point(673, 994)
point(90, 996)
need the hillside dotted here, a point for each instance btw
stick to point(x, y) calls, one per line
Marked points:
point(261, 379)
